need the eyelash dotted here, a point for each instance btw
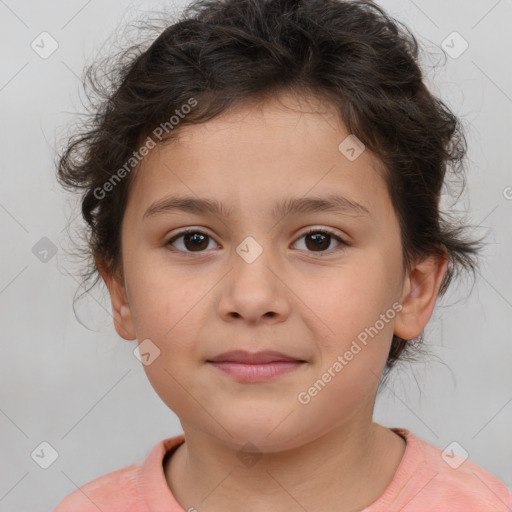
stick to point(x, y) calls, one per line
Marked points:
point(327, 232)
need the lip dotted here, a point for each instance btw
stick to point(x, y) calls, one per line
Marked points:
point(254, 358)
point(257, 372)
point(255, 366)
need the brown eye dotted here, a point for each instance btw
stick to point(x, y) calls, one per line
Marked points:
point(193, 241)
point(319, 240)
point(189, 241)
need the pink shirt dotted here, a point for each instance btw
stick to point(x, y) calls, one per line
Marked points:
point(423, 482)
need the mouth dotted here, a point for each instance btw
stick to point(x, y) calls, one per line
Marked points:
point(255, 366)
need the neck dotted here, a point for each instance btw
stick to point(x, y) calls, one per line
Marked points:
point(346, 470)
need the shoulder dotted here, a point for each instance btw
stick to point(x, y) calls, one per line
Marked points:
point(139, 487)
point(433, 479)
point(116, 490)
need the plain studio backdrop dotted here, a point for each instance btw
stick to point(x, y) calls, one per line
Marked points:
point(80, 396)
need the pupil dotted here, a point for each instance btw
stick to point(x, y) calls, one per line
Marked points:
point(318, 239)
point(197, 239)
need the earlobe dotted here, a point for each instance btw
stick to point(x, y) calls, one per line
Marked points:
point(420, 293)
point(124, 324)
point(121, 312)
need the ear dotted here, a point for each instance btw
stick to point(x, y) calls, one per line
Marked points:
point(123, 321)
point(420, 290)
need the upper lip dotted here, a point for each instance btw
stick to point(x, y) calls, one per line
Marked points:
point(242, 356)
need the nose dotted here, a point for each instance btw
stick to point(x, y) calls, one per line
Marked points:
point(254, 290)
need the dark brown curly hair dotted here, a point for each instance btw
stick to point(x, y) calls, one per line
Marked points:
point(222, 52)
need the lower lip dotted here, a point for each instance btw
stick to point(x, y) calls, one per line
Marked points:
point(257, 372)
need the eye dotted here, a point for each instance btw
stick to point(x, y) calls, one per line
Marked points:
point(193, 240)
point(317, 240)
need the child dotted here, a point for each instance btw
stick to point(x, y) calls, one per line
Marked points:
point(262, 188)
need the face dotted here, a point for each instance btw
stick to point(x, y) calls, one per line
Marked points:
point(256, 277)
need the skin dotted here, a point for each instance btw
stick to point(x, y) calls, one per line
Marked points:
point(311, 304)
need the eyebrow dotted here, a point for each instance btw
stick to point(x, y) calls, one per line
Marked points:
point(289, 206)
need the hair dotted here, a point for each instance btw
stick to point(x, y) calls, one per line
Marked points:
point(226, 52)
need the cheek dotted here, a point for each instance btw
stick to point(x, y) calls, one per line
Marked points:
point(353, 298)
point(169, 312)
point(162, 300)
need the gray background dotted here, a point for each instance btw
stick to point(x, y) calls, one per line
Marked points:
point(83, 391)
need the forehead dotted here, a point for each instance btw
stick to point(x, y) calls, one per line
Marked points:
point(259, 152)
